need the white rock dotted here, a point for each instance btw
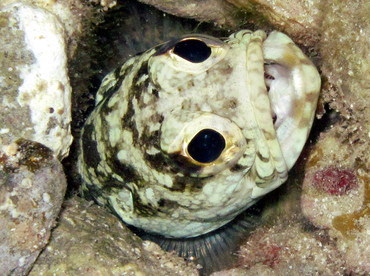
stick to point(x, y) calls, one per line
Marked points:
point(41, 99)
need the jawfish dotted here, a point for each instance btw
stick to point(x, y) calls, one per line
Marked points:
point(189, 134)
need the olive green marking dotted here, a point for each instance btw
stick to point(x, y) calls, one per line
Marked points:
point(142, 209)
point(91, 154)
point(114, 88)
point(238, 168)
point(188, 184)
point(126, 171)
point(167, 206)
point(92, 192)
point(128, 121)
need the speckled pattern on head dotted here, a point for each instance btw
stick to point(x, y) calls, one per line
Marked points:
point(187, 135)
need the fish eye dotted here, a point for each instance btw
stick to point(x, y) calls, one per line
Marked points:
point(206, 146)
point(192, 50)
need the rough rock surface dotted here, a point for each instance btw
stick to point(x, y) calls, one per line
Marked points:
point(289, 250)
point(282, 250)
point(332, 185)
point(35, 91)
point(336, 197)
point(356, 247)
point(218, 11)
point(336, 187)
point(90, 240)
point(344, 47)
point(35, 104)
point(32, 188)
point(300, 19)
point(73, 15)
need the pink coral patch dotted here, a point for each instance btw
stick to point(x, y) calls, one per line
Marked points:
point(335, 181)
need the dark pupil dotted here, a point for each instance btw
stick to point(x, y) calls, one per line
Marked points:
point(206, 146)
point(192, 50)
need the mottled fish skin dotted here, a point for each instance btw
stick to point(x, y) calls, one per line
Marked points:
point(135, 145)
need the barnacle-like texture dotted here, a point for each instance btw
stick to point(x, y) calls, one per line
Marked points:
point(344, 48)
point(189, 134)
point(342, 152)
point(335, 181)
point(336, 197)
point(329, 187)
point(288, 250)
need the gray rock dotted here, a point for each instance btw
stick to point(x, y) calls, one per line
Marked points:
point(218, 11)
point(346, 65)
point(32, 187)
point(91, 241)
point(300, 19)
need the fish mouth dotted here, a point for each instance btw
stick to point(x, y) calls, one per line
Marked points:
point(279, 89)
point(268, 80)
